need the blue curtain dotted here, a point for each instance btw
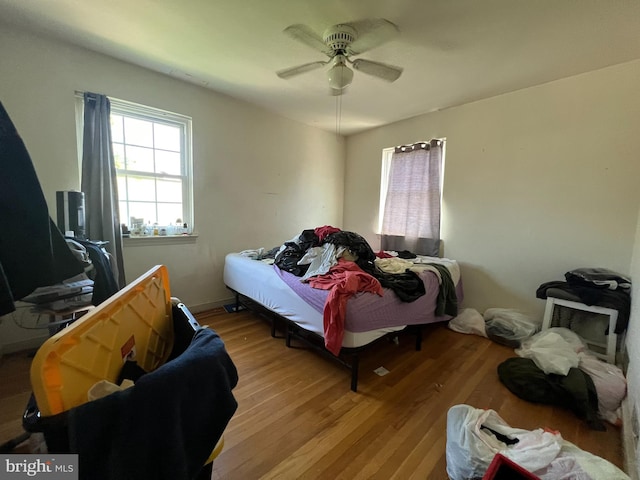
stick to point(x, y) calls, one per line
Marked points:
point(99, 182)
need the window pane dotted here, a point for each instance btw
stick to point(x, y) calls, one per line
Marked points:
point(166, 137)
point(140, 159)
point(146, 211)
point(118, 156)
point(169, 190)
point(122, 191)
point(167, 162)
point(168, 213)
point(123, 212)
point(142, 189)
point(116, 128)
point(138, 132)
point(153, 162)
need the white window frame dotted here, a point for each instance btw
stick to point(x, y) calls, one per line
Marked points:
point(387, 153)
point(142, 112)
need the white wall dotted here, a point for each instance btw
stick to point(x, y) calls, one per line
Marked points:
point(259, 178)
point(633, 340)
point(537, 182)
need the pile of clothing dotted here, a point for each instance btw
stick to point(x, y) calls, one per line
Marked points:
point(555, 367)
point(344, 263)
point(316, 251)
point(594, 286)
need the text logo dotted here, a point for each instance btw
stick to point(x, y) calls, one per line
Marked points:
point(39, 467)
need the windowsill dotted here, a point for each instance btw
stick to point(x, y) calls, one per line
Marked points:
point(159, 240)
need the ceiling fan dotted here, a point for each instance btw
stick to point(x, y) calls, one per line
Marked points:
point(341, 42)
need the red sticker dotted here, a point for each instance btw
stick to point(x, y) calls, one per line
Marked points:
point(128, 349)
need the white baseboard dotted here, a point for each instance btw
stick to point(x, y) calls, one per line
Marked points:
point(28, 344)
point(630, 445)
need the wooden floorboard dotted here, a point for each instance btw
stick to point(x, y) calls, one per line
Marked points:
point(298, 419)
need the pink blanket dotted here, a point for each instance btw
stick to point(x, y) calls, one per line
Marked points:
point(343, 280)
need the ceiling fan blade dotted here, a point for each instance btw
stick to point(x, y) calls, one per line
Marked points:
point(390, 73)
point(304, 34)
point(293, 71)
point(371, 33)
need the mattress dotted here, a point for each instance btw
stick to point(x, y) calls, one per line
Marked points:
point(368, 317)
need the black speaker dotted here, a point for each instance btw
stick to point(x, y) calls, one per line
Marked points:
point(70, 206)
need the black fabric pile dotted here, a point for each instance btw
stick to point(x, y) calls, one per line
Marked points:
point(293, 252)
point(358, 246)
point(575, 391)
point(408, 286)
point(166, 426)
point(594, 286)
point(105, 283)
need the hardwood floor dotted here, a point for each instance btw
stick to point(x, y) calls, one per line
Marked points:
point(297, 417)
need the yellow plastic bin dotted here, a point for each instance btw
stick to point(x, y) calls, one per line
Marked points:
point(136, 323)
point(140, 323)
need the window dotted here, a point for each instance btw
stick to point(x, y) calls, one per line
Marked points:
point(387, 153)
point(152, 154)
point(410, 197)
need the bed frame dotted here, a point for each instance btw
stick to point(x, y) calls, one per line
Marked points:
point(348, 357)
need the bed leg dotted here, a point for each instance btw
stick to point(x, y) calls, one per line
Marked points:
point(237, 302)
point(287, 340)
point(354, 372)
point(418, 339)
point(273, 328)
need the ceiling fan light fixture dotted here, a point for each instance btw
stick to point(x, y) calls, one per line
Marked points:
point(341, 42)
point(339, 75)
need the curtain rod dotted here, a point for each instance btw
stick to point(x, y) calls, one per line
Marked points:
point(419, 146)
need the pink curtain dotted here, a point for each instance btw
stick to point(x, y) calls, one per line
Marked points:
point(411, 216)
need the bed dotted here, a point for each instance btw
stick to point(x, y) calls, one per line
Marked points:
point(286, 301)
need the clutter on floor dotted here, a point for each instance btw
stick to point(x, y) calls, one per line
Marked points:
point(556, 365)
point(468, 321)
point(509, 327)
point(475, 436)
point(502, 325)
point(556, 351)
point(593, 286)
point(574, 390)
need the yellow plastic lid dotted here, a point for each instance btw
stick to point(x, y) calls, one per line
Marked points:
point(135, 323)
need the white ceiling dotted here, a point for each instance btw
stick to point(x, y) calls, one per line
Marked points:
point(452, 51)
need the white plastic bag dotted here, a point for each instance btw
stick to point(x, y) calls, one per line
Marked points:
point(509, 327)
point(468, 321)
point(610, 384)
point(571, 337)
point(574, 463)
point(550, 352)
point(470, 449)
